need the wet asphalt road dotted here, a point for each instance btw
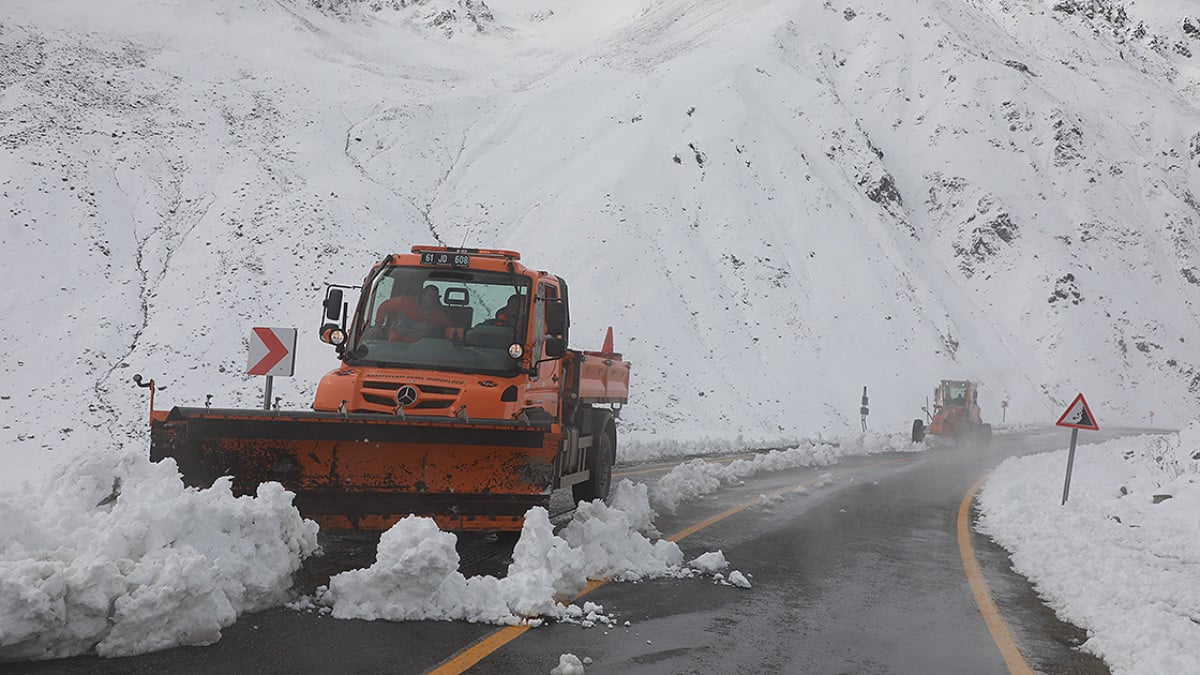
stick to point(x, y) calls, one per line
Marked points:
point(856, 568)
point(862, 575)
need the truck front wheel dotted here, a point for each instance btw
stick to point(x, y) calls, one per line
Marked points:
point(601, 456)
point(985, 435)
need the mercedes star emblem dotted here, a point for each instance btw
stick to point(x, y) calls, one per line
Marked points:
point(406, 395)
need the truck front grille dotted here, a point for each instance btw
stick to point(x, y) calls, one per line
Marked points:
point(430, 397)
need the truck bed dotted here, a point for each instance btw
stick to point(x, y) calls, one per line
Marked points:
point(598, 377)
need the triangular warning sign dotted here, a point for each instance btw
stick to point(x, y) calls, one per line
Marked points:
point(1078, 416)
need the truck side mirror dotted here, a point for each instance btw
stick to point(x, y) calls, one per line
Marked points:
point(333, 304)
point(556, 348)
point(556, 318)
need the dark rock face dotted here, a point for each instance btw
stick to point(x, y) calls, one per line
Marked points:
point(1066, 289)
point(448, 16)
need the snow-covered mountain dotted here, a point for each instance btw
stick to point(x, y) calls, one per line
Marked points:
point(774, 203)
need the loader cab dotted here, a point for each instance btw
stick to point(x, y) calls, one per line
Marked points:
point(954, 393)
point(956, 412)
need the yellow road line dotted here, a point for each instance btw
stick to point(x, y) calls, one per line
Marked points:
point(472, 655)
point(983, 597)
point(497, 639)
point(480, 650)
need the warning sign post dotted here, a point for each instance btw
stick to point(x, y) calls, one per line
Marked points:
point(272, 352)
point(1078, 416)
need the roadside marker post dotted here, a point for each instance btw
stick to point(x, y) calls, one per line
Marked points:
point(1078, 416)
point(864, 410)
point(272, 352)
point(1003, 410)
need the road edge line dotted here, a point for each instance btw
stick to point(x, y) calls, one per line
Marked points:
point(983, 596)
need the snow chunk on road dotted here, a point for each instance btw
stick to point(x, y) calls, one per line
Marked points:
point(710, 563)
point(738, 579)
point(568, 664)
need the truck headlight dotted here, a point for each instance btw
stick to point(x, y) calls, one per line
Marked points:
point(515, 350)
point(332, 334)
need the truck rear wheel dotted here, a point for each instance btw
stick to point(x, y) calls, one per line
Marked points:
point(601, 456)
point(918, 433)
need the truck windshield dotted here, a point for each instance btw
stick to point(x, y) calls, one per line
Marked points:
point(441, 319)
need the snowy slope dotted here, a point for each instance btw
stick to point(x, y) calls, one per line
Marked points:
point(774, 203)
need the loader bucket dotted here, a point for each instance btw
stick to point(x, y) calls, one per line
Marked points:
point(365, 472)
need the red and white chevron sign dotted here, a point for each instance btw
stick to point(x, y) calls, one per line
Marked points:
point(272, 352)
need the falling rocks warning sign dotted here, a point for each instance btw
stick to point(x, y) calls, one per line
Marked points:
point(1078, 416)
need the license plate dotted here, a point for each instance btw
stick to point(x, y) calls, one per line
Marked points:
point(442, 259)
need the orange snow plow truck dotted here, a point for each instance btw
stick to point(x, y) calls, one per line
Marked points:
point(456, 398)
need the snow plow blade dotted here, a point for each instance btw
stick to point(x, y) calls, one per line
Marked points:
point(365, 472)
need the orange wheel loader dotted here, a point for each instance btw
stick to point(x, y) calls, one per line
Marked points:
point(955, 414)
point(456, 398)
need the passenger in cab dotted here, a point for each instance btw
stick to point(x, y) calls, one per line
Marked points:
point(510, 314)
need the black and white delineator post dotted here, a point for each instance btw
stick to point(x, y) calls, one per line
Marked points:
point(864, 410)
point(1078, 416)
point(272, 352)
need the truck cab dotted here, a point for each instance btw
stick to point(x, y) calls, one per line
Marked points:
point(446, 332)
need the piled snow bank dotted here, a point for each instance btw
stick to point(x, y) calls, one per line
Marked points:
point(1122, 556)
point(640, 446)
point(415, 575)
point(699, 477)
point(112, 554)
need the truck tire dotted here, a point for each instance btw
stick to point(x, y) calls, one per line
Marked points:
point(985, 435)
point(918, 433)
point(601, 456)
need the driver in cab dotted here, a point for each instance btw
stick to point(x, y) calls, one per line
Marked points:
point(407, 317)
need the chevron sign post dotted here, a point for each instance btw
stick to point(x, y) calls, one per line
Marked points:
point(1078, 416)
point(272, 352)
